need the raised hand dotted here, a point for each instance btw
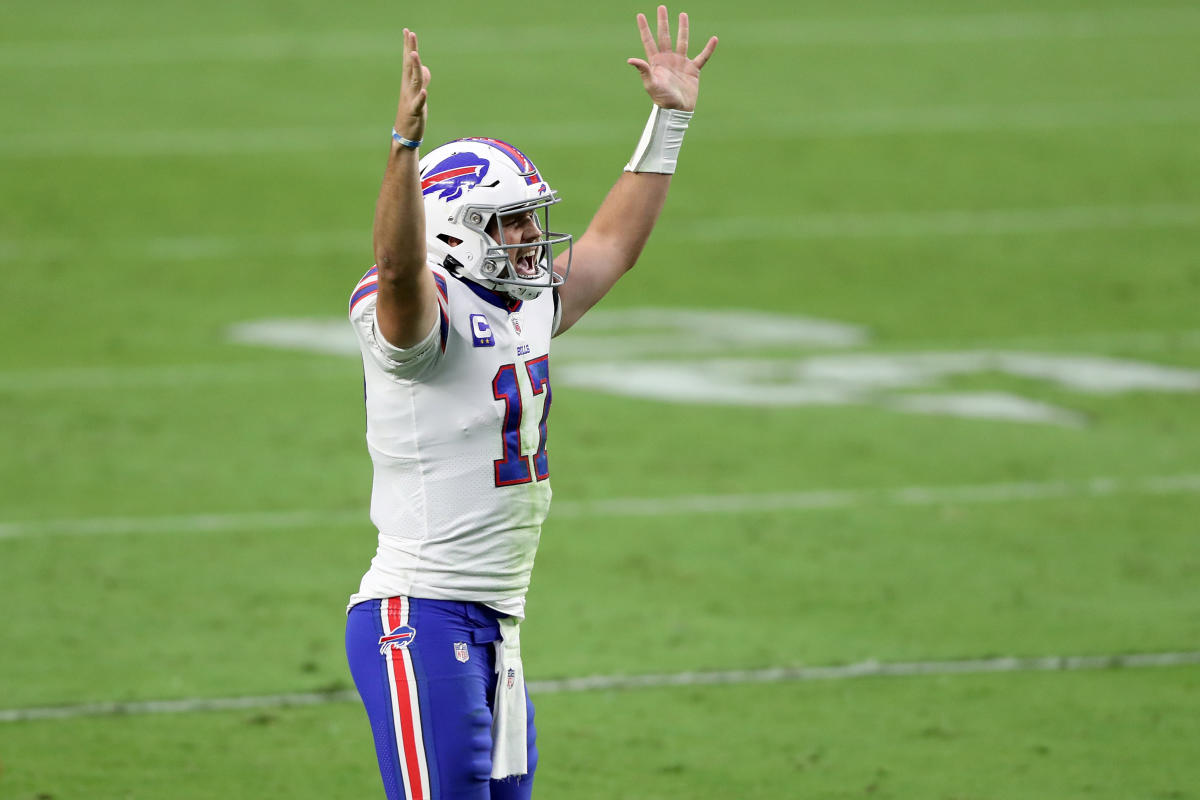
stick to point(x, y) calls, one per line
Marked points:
point(414, 82)
point(671, 78)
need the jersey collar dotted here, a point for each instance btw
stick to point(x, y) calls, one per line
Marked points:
point(502, 301)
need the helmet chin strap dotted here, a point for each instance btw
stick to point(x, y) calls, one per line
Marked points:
point(519, 269)
point(516, 291)
point(450, 263)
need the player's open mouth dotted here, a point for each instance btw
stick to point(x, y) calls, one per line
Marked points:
point(526, 266)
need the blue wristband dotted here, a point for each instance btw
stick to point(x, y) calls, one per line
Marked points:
point(409, 143)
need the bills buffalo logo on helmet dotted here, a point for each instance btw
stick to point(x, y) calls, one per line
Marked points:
point(454, 175)
point(397, 640)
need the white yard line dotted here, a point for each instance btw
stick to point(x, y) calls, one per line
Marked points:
point(819, 500)
point(176, 376)
point(798, 225)
point(961, 28)
point(1044, 116)
point(961, 222)
point(863, 669)
point(172, 249)
point(183, 523)
point(749, 503)
point(810, 124)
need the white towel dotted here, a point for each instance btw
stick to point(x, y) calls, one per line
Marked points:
point(509, 748)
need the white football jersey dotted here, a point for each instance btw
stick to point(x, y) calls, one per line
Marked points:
point(456, 428)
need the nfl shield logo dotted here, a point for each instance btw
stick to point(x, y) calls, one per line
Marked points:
point(460, 652)
point(516, 323)
point(512, 676)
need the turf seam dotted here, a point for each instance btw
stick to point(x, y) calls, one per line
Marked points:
point(861, 669)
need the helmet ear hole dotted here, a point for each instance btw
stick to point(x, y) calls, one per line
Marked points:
point(450, 240)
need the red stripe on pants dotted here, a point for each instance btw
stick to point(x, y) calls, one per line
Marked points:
point(408, 740)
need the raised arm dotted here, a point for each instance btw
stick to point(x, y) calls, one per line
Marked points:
point(407, 306)
point(617, 233)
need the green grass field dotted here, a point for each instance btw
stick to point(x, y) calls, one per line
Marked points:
point(995, 205)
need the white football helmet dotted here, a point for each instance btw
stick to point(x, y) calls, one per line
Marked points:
point(468, 183)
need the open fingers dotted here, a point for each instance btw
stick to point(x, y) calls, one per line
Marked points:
point(681, 38)
point(706, 53)
point(642, 67)
point(647, 39)
point(416, 72)
point(664, 31)
point(412, 61)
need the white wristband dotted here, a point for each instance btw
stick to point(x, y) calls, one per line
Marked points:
point(658, 149)
point(409, 143)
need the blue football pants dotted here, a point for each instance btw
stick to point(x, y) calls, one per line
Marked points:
point(426, 672)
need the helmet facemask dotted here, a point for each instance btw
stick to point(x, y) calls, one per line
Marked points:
point(501, 257)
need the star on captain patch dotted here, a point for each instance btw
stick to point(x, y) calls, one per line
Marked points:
point(460, 652)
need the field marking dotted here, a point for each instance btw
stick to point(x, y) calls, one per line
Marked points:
point(797, 225)
point(362, 44)
point(1043, 116)
point(172, 376)
point(786, 127)
point(752, 503)
point(862, 669)
point(953, 222)
point(310, 366)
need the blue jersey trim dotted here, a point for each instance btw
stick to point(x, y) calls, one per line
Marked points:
point(509, 304)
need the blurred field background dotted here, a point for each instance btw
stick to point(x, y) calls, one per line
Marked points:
point(182, 515)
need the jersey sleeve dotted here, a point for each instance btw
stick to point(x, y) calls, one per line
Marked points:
point(398, 362)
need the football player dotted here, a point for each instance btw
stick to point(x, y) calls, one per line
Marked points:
point(454, 322)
